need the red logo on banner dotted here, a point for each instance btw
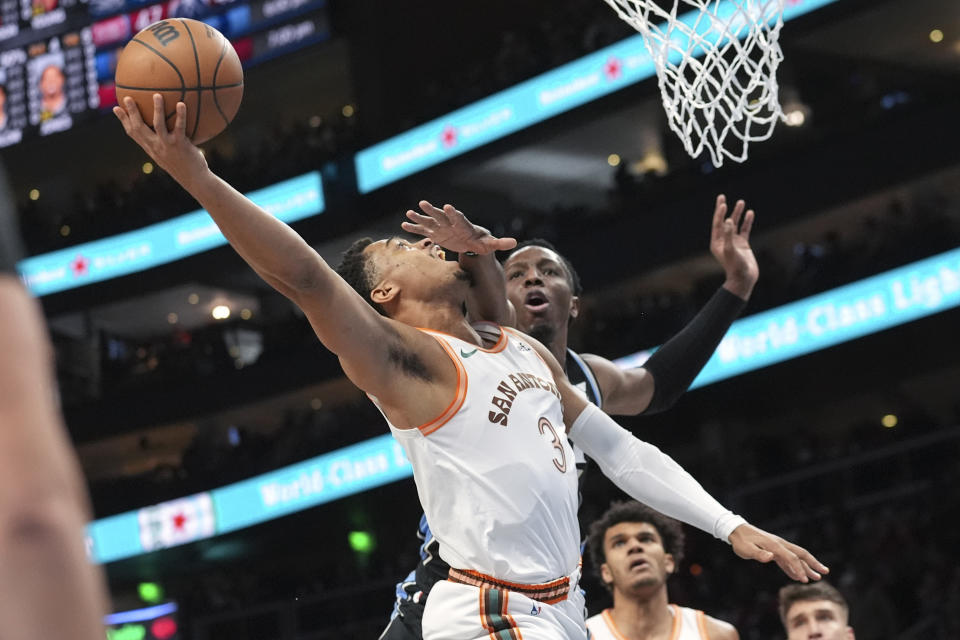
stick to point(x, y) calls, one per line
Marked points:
point(612, 68)
point(449, 136)
point(176, 522)
point(79, 266)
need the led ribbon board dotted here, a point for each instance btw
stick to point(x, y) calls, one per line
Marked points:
point(556, 91)
point(328, 477)
point(849, 312)
point(160, 243)
point(818, 322)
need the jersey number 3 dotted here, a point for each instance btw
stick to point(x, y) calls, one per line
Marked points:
point(560, 464)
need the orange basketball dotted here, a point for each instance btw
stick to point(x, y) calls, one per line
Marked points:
point(185, 61)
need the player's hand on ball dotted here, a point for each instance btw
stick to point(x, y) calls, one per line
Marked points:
point(170, 149)
point(752, 543)
point(450, 229)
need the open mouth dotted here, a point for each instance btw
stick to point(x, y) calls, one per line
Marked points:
point(639, 563)
point(536, 301)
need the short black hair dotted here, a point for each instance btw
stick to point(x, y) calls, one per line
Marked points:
point(820, 590)
point(356, 269)
point(671, 531)
point(572, 275)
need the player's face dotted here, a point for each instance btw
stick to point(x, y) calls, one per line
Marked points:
point(635, 557)
point(414, 265)
point(817, 620)
point(539, 288)
point(51, 82)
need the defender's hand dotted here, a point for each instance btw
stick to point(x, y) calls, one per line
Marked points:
point(450, 229)
point(730, 245)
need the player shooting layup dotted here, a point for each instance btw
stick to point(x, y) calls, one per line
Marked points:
point(499, 492)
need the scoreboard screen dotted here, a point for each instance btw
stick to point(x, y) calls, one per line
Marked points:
point(47, 71)
point(58, 57)
point(18, 16)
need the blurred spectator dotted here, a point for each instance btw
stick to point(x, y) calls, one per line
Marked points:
point(814, 611)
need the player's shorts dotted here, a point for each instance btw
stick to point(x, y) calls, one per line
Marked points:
point(486, 608)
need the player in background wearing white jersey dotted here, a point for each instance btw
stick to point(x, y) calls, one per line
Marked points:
point(635, 550)
point(48, 587)
point(815, 611)
point(518, 581)
point(541, 297)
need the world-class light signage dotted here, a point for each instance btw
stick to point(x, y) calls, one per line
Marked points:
point(818, 322)
point(833, 317)
point(556, 91)
point(161, 243)
point(328, 477)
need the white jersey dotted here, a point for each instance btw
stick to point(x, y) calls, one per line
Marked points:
point(688, 624)
point(495, 473)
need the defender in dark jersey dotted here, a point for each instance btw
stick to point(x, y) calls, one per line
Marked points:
point(542, 299)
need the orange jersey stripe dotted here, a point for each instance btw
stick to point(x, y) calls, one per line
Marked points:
point(548, 593)
point(500, 345)
point(458, 399)
point(611, 625)
point(702, 623)
point(675, 631)
point(516, 586)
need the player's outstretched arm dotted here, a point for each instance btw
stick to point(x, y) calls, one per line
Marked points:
point(647, 474)
point(668, 373)
point(277, 253)
point(366, 342)
point(477, 247)
point(654, 478)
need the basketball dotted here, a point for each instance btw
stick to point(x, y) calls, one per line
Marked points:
point(185, 61)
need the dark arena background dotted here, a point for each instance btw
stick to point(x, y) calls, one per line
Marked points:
point(217, 435)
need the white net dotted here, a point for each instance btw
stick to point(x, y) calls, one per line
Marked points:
point(717, 64)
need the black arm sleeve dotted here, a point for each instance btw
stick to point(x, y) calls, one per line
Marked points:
point(10, 250)
point(675, 365)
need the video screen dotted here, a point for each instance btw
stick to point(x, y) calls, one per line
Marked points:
point(51, 82)
point(13, 105)
point(58, 57)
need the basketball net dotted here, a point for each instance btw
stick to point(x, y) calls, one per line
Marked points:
point(716, 67)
